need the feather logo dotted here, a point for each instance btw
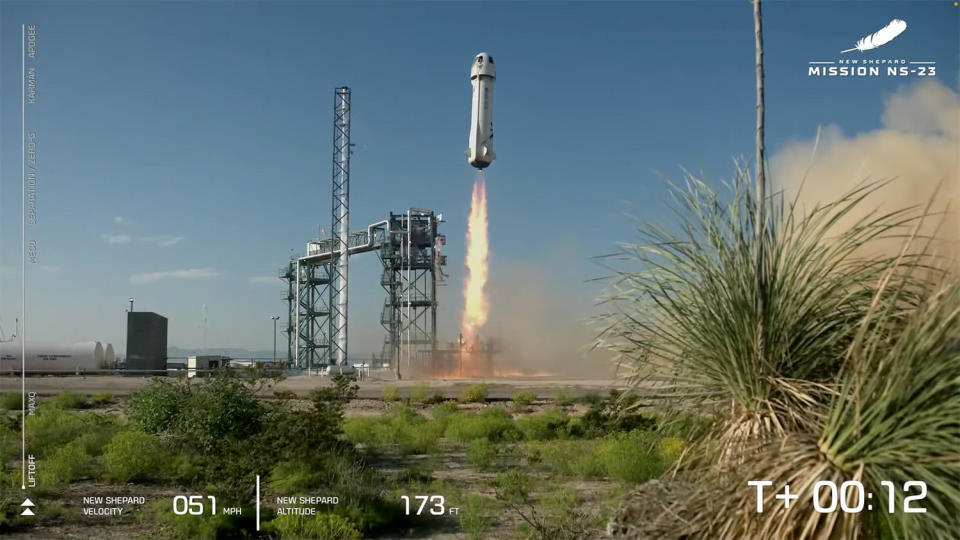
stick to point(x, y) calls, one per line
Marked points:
point(880, 37)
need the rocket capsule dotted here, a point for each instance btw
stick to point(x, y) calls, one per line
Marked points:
point(482, 76)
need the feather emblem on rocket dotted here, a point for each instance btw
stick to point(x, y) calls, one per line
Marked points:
point(482, 76)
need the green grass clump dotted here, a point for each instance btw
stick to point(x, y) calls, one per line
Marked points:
point(670, 448)
point(101, 398)
point(9, 443)
point(567, 457)
point(391, 393)
point(414, 433)
point(294, 477)
point(65, 464)
point(419, 393)
point(52, 428)
point(11, 401)
point(493, 424)
point(549, 424)
point(96, 439)
point(322, 525)
point(630, 457)
point(563, 396)
point(222, 409)
point(214, 412)
point(475, 393)
point(68, 400)
point(477, 514)
point(443, 411)
point(186, 470)
point(524, 398)
point(133, 456)
point(369, 431)
point(159, 406)
point(481, 454)
point(402, 428)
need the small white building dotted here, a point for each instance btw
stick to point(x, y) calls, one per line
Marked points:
point(201, 366)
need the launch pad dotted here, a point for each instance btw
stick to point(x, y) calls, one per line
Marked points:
point(409, 247)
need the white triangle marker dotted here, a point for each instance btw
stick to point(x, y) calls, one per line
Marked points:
point(27, 502)
point(26, 512)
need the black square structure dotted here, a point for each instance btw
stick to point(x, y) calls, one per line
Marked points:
point(146, 344)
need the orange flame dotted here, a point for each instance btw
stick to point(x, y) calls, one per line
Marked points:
point(475, 307)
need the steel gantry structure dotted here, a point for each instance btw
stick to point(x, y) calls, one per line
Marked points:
point(409, 248)
point(412, 266)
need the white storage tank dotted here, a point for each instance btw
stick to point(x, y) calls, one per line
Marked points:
point(98, 354)
point(53, 358)
point(109, 357)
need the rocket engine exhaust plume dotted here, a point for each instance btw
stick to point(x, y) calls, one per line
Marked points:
point(475, 306)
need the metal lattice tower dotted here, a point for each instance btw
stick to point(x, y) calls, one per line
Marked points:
point(308, 344)
point(340, 226)
point(411, 265)
point(287, 274)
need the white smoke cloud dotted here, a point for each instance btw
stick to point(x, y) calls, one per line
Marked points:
point(918, 147)
point(541, 326)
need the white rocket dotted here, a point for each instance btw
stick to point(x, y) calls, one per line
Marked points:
point(482, 75)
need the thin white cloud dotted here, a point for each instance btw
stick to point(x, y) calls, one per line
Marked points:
point(163, 241)
point(264, 279)
point(117, 238)
point(187, 273)
point(119, 220)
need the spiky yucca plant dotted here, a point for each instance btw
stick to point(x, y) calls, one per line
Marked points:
point(688, 325)
point(895, 418)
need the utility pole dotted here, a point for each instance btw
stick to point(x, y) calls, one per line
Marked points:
point(275, 319)
point(760, 231)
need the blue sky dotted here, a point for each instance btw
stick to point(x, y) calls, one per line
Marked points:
point(194, 139)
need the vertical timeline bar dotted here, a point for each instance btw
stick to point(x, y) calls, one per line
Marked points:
point(23, 255)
